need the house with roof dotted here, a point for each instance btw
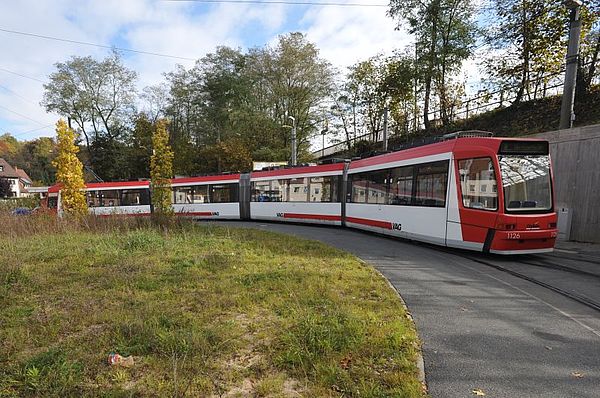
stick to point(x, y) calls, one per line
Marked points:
point(18, 179)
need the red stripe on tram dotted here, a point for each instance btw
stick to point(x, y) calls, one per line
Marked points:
point(371, 223)
point(197, 213)
point(323, 217)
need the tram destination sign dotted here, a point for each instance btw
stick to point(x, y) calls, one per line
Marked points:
point(524, 148)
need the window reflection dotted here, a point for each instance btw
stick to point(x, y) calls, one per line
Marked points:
point(526, 182)
point(478, 183)
point(422, 185)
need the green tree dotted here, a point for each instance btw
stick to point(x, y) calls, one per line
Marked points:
point(231, 155)
point(161, 169)
point(36, 157)
point(9, 147)
point(99, 96)
point(530, 39)
point(590, 49)
point(370, 86)
point(290, 79)
point(69, 172)
point(444, 32)
point(141, 147)
point(246, 98)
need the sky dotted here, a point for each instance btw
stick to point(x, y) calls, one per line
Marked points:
point(185, 29)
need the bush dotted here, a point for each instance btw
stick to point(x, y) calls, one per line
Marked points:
point(9, 204)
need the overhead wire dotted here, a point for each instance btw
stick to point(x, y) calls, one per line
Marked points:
point(16, 32)
point(25, 76)
point(17, 95)
point(31, 131)
point(21, 115)
point(47, 37)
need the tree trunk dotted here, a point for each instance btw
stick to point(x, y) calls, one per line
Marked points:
point(445, 43)
point(592, 67)
point(525, 55)
point(431, 63)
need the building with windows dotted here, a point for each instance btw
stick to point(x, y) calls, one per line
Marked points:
point(18, 179)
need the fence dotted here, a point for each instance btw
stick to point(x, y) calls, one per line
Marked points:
point(541, 87)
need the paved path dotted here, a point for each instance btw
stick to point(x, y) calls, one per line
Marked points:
point(481, 328)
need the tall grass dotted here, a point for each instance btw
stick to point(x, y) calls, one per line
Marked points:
point(47, 223)
point(204, 310)
point(8, 204)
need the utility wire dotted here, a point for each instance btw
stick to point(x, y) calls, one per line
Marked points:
point(21, 115)
point(30, 131)
point(18, 74)
point(285, 2)
point(17, 95)
point(92, 44)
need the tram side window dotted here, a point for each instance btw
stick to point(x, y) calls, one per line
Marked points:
point(371, 187)
point(478, 184)
point(278, 190)
point(431, 183)
point(110, 198)
point(182, 195)
point(298, 190)
point(260, 191)
point(377, 190)
point(324, 189)
point(359, 185)
point(135, 197)
point(200, 194)
point(401, 185)
point(224, 193)
point(94, 199)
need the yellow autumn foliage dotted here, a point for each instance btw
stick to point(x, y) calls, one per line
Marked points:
point(69, 172)
point(161, 169)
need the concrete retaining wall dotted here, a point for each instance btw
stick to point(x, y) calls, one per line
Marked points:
point(576, 161)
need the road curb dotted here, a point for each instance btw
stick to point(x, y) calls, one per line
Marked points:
point(420, 361)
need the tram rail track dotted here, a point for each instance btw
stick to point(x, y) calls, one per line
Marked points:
point(544, 263)
point(586, 301)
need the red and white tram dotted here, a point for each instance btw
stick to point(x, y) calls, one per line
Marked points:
point(301, 194)
point(209, 197)
point(478, 193)
point(485, 194)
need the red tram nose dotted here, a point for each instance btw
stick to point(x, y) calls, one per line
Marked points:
point(524, 233)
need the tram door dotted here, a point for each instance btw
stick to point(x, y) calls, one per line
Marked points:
point(477, 200)
point(245, 196)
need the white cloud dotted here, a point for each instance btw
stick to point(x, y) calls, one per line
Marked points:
point(344, 35)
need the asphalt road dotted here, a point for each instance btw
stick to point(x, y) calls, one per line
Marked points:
point(481, 328)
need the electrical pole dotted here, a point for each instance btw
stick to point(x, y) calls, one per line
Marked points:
point(294, 145)
point(385, 128)
point(567, 115)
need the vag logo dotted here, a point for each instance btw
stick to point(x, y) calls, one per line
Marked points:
point(215, 213)
point(280, 215)
point(397, 226)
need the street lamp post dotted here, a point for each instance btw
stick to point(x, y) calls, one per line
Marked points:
point(323, 132)
point(385, 128)
point(567, 115)
point(294, 150)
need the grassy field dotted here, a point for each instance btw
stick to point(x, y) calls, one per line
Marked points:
point(204, 311)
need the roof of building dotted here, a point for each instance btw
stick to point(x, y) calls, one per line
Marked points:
point(23, 175)
point(6, 170)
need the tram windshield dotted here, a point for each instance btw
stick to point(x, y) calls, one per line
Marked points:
point(526, 182)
